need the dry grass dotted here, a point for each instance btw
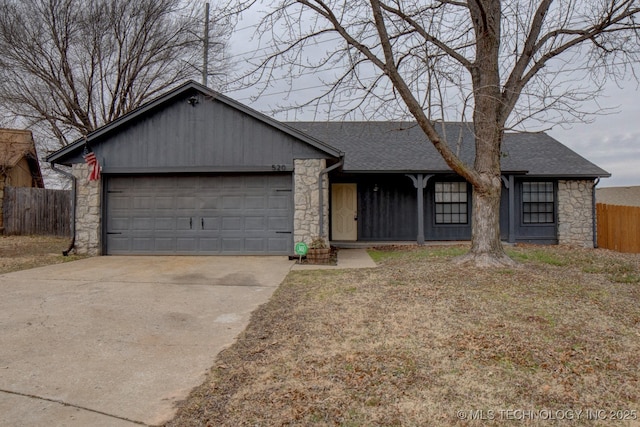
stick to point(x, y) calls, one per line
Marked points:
point(419, 342)
point(24, 252)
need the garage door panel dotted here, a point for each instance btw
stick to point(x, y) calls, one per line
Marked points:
point(116, 224)
point(118, 201)
point(255, 202)
point(235, 214)
point(231, 183)
point(279, 223)
point(142, 244)
point(165, 224)
point(255, 245)
point(163, 203)
point(254, 224)
point(209, 245)
point(278, 244)
point(279, 201)
point(231, 244)
point(232, 202)
point(184, 223)
point(144, 224)
point(184, 182)
point(144, 202)
point(209, 203)
point(210, 223)
point(232, 223)
point(185, 244)
point(119, 244)
point(164, 245)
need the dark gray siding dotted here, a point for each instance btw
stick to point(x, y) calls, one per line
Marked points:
point(390, 213)
point(387, 209)
point(208, 136)
point(504, 213)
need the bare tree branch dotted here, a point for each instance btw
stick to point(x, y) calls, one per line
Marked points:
point(512, 63)
point(72, 66)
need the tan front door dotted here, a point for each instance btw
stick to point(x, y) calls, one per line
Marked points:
point(344, 212)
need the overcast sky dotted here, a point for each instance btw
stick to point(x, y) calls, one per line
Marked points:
point(612, 141)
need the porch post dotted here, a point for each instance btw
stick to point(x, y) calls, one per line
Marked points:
point(512, 210)
point(420, 183)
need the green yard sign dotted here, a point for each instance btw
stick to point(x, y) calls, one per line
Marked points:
point(301, 248)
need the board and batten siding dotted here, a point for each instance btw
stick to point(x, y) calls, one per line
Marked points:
point(205, 137)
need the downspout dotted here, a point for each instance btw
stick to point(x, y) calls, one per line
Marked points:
point(73, 207)
point(321, 193)
point(593, 213)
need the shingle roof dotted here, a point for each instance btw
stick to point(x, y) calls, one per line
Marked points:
point(623, 196)
point(14, 145)
point(403, 147)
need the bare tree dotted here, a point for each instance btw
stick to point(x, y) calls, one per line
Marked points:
point(70, 66)
point(501, 63)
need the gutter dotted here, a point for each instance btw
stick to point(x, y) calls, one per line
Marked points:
point(593, 213)
point(321, 193)
point(73, 207)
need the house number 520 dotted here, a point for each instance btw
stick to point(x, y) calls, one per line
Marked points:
point(279, 168)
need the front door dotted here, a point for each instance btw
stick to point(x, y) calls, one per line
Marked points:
point(344, 212)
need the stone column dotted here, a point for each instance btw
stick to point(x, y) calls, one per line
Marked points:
point(88, 206)
point(306, 219)
point(575, 213)
point(3, 178)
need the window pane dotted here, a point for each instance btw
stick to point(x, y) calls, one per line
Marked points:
point(451, 202)
point(537, 202)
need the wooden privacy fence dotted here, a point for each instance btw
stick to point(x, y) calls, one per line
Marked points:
point(618, 227)
point(36, 211)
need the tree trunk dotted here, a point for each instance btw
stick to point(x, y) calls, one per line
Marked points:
point(486, 246)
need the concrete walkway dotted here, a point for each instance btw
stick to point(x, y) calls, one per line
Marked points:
point(117, 341)
point(347, 258)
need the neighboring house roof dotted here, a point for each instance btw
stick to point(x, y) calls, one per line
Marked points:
point(403, 147)
point(16, 144)
point(77, 146)
point(622, 196)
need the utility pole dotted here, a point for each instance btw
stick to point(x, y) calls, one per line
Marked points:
point(205, 65)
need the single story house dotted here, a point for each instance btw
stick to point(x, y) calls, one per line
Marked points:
point(19, 166)
point(195, 172)
point(620, 196)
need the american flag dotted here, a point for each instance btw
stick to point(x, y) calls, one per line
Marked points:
point(92, 161)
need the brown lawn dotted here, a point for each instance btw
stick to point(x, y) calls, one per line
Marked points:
point(24, 252)
point(420, 342)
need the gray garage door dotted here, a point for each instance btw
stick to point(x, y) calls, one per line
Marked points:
point(223, 214)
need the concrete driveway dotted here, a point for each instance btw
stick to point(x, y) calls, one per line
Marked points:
point(117, 341)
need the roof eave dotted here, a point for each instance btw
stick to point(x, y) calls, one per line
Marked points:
point(189, 85)
point(571, 176)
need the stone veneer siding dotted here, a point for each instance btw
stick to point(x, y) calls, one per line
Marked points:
point(306, 220)
point(2, 184)
point(575, 213)
point(87, 211)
